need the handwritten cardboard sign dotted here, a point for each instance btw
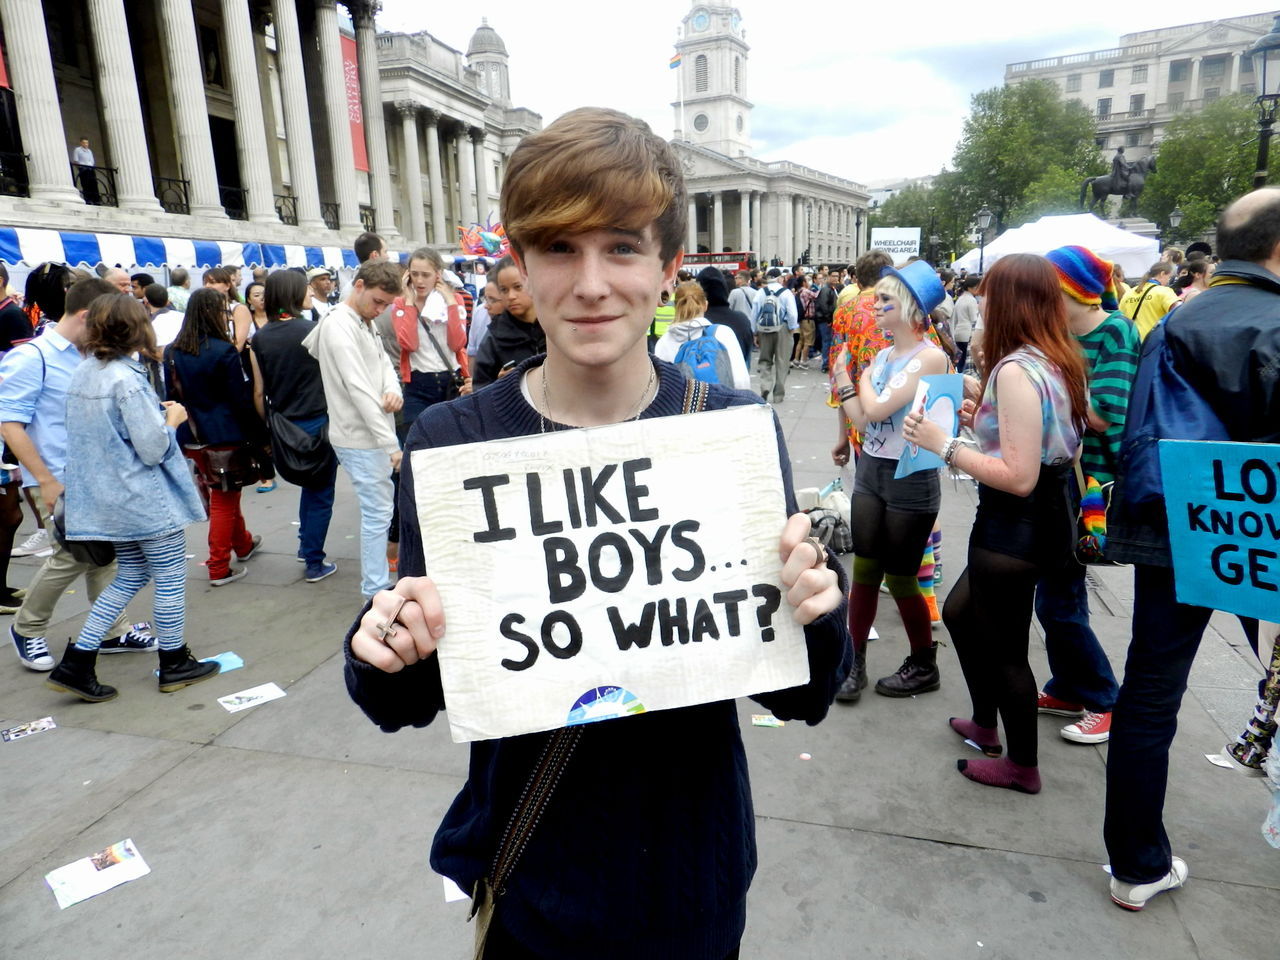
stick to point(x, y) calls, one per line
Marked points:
point(593, 574)
point(1223, 504)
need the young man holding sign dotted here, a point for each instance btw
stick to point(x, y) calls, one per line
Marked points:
point(646, 843)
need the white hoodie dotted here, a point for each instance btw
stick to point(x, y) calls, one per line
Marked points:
point(677, 334)
point(356, 373)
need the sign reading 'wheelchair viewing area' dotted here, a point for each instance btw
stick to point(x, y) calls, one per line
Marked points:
point(1223, 502)
point(593, 574)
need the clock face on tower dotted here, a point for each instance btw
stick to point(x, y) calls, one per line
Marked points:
point(700, 21)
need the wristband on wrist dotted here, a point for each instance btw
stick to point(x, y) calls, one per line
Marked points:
point(846, 393)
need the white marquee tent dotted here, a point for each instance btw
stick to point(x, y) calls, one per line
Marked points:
point(1134, 253)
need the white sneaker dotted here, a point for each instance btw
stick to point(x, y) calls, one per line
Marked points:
point(1134, 896)
point(36, 545)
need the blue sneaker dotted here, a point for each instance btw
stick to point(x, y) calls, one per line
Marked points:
point(318, 571)
point(137, 639)
point(32, 651)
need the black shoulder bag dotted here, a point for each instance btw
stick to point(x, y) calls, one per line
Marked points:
point(220, 466)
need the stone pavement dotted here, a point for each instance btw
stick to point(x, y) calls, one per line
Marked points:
point(297, 830)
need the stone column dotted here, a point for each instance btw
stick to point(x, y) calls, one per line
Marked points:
point(482, 175)
point(757, 223)
point(691, 246)
point(39, 114)
point(798, 226)
point(1235, 73)
point(411, 173)
point(466, 177)
point(246, 97)
point(744, 219)
point(121, 108)
point(297, 118)
point(433, 174)
point(1195, 78)
point(375, 129)
point(335, 98)
point(786, 232)
point(190, 109)
point(717, 221)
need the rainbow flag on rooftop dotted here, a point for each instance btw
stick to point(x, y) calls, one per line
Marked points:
point(674, 61)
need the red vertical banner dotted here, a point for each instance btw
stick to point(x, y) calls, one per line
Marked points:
point(4, 70)
point(355, 113)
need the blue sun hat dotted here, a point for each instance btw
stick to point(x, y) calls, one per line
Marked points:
point(922, 280)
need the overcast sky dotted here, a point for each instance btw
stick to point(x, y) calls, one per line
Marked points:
point(871, 97)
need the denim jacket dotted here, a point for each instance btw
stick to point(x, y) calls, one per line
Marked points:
point(126, 477)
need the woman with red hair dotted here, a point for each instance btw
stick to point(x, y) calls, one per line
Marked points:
point(1028, 428)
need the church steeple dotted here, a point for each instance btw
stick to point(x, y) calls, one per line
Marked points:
point(713, 80)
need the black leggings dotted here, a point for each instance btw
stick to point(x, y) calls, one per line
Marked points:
point(10, 520)
point(988, 614)
point(502, 946)
point(895, 539)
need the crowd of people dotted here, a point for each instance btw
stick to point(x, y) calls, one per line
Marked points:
point(583, 326)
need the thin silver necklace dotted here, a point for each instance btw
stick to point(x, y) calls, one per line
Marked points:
point(546, 401)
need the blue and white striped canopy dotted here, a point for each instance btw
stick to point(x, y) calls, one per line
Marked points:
point(30, 246)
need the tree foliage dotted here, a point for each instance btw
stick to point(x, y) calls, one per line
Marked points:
point(1056, 191)
point(1205, 161)
point(1020, 135)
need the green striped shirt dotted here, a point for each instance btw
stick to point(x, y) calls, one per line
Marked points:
point(1111, 355)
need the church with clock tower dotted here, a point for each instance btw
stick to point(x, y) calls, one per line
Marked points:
point(777, 210)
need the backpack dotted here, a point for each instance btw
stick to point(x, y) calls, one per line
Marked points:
point(770, 317)
point(1162, 406)
point(705, 358)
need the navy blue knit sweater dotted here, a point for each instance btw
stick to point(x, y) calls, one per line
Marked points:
point(648, 847)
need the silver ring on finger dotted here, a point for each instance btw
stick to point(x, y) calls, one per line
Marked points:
point(818, 549)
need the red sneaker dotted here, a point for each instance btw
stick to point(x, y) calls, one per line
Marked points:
point(1058, 708)
point(1091, 728)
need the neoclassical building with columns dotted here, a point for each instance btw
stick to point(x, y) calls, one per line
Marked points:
point(277, 121)
point(779, 210)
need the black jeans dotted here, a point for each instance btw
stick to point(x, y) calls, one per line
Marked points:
point(422, 390)
point(1166, 636)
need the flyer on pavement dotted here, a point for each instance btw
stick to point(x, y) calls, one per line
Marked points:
point(90, 876)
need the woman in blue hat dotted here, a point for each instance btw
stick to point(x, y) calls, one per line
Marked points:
point(892, 517)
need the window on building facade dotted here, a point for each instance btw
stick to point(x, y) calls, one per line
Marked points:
point(1179, 71)
point(700, 123)
point(1246, 63)
point(1211, 94)
point(1132, 138)
point(1137, 102)
point(1101, 142)
point(700, 73)
point(1104, 107)
point(1139, 74)
point(1106, 78)
point(1248, 88)
point(1214, 69)
point(1073, 82)
point(1175, 101)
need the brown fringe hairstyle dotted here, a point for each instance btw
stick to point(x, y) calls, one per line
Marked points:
point(1023, 306)
point(594, 169)
point(116, 326)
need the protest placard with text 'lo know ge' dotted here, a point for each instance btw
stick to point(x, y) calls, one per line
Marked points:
point(593, 574)
point(1223, 504)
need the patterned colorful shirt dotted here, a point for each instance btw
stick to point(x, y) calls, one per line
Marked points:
point(1060, 436)
point(1111, 356)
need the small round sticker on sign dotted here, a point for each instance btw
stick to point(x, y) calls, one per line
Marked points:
point(603, 703)
point(914, 365)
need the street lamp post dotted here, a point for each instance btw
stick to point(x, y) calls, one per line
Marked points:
point(1266, 71)
point(984, 221)
point(857, 232)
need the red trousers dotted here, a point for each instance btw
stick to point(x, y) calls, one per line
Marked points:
point(227, 532)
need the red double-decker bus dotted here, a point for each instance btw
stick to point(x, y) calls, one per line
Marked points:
point(739, 260)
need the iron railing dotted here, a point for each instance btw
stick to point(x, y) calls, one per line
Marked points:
point(14, 181)
point(367, 219)
point(287, 208)
point(329, 214)
point(174, 194)
point(234, 201)
point(96, 184)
